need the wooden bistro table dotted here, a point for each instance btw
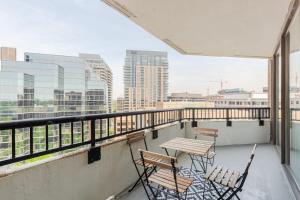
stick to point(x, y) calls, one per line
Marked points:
point(196, 149)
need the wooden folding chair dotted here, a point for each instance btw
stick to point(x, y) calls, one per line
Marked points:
point(229, 180)
point(132, 139)
point(166, 178)
point(212, 133)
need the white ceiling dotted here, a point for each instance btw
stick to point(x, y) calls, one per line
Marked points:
point(239, 28)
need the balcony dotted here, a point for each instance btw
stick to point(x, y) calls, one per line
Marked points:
point(100, 166)
point(264, 182)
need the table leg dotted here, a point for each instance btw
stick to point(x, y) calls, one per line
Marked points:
point(166, 151)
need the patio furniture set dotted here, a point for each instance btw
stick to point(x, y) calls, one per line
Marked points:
point(162, 178)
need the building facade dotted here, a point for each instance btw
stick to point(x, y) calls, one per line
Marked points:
point(80, 83)
point(120, 104)
point(145, 79)
point(102, 70)
point(16, 103)
point(45, 86)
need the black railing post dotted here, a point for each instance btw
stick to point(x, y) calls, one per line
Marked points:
point(152, 120)
point(180, 118)
point(261, 122)
point(194, 122)
point(60, 135)
point(154, 132)
point(13, 143)
point(31, 140)
point(228, 122)
point(46, 135)
point(72, 133)
point(93, 133)
point(94, 153)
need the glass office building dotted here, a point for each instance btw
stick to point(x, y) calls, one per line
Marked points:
point(47, 86)
point(16, 102)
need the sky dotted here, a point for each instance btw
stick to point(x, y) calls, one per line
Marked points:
point(69, 27)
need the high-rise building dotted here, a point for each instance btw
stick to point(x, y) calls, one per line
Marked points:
point(81, 84)
point(47, 86)
point(8, 53)
point(102, 70)
point(120, 104)
point(145, 79)
point(15, 103)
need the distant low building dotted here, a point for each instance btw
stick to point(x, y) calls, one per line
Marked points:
point(183, 104)
point(232, 91)
point(185, 96)
point(8, 54)
point(241, 98)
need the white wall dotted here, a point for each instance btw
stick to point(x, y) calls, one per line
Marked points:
point(241, 132)
point(71, 178)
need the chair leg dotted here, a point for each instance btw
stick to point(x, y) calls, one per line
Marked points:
point(223, 195)
point(204, 187)
point(139, 174)
point(234, 193)
point(237, 196)
point(216, 189)
point(192, 165)
point(185, 194)
point(139, 179)
point(151, 192)
point(178, 196)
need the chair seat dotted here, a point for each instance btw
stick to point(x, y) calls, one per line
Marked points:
point(165, 178)
point(223, 176)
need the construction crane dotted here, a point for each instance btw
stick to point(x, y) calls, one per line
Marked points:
point(221, 82)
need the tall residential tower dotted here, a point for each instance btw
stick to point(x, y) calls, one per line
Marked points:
point(145, 79)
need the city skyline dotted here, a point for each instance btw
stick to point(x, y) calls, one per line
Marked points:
point(68, 34)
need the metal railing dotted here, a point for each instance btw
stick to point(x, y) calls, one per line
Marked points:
point(227, 113)
point(63, 133)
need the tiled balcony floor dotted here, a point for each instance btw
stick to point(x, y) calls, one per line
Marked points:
point(266, 180)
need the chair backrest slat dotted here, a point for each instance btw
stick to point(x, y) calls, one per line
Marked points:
point(159, 160)
point(135, 137)
point(211, 132)
point(135, 134)
point(157, 163)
